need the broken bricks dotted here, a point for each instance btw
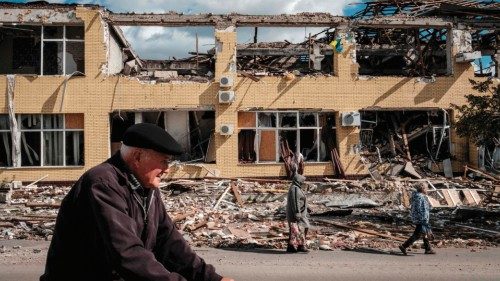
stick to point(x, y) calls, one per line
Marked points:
point(262, 223)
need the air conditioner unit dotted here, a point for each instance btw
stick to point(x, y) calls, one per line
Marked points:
point(468, 57)
point(226, 129)
point(226, 81)
point(226, 96)
point(351, 118)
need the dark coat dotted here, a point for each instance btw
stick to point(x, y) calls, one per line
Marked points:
point(101, 234)
point(296, 204)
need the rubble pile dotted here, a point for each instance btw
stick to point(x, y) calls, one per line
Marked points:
point(345, 214)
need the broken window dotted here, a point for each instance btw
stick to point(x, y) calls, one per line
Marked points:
point(261, 134)
point(172, 53)
point(6, 142)
point(300, 50)
point(42, 50)
point(484, 47)
point(46, 140)
point(409, 134)
point(402, 51)
point(193, 130)
point(20, 47)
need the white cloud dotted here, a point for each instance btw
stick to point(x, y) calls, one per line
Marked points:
point(162, 43)
point(227, 6)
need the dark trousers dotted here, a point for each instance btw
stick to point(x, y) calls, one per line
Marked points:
point(419, 232)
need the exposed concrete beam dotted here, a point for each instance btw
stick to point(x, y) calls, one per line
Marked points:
point(175, 19)
point(40, 16)
point(402, 22)
point(293, 51)
point(360, 50)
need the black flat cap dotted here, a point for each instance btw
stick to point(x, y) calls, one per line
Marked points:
point(150, 136)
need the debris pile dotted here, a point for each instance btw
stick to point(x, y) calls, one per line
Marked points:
point(196, 68)
point(311, 57)
point(411, 142)
point(345, 214)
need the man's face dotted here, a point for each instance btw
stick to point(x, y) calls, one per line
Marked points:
point(150, 167)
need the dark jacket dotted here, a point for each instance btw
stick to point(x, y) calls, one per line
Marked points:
point(101, 233)
point(296, 204)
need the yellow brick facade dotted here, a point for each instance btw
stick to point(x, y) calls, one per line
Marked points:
point(97, 95)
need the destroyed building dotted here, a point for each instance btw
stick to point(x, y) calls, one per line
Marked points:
point(371, 89)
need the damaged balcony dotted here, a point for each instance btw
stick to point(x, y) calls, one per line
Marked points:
point(313, 55)
point(194, 130)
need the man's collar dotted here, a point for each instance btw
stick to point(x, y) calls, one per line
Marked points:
point(134, 182)
point(118, 162)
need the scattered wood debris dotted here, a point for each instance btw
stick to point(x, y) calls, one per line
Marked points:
point(346, 214)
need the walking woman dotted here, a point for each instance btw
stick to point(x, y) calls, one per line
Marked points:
point(297, 216)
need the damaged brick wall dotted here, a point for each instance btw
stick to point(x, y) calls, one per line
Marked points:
point(97, 95)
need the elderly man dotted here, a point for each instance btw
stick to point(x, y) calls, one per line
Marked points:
point(113, 225)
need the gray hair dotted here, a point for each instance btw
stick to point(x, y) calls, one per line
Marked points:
point(421, 187)
point(127, 151)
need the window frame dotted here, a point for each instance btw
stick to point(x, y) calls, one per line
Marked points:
point(64, 40)
point(277, 129)
point(42, 131)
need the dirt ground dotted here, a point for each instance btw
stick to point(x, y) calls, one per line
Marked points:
point(23, 260)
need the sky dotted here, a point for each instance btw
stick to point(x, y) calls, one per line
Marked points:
point(164, 43)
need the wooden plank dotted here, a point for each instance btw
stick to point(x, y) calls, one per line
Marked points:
point(338, 163)
point(267, 146)
point(42, 205)
point(221, 197)
point(411, 170)
point(246, 119)
point(198, 225)
point(181, 217)
point(406, 199)
point(239, 233)
point(476, 196)
point(434, 203)
point(469, 200)
point(372, 232)
point(236, 193)
point(6, 224)
point(483, 174)
point(452, 198)
point(74, 121)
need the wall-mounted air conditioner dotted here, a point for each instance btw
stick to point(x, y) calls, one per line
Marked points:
point(468, 57)
point(226, 81)
point(226, 129)
point(226, 96)
point(352, 118)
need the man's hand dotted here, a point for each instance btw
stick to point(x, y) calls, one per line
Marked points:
point(227, 279)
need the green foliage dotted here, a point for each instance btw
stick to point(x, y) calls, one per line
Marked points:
point(480, 118)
